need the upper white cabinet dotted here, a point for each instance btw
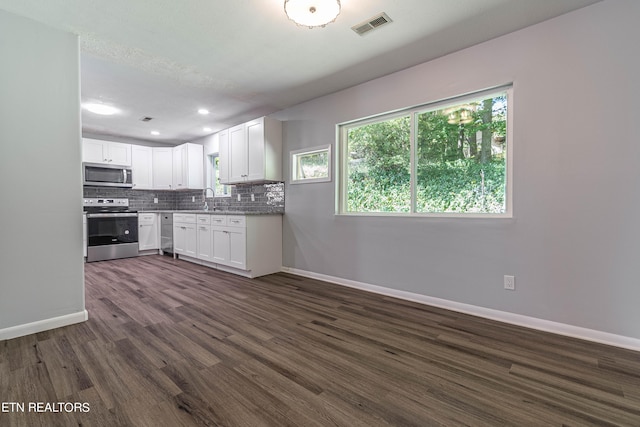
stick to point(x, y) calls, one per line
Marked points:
point(107, 152)
point(188, 167)
point(237, 154)
point(153, 168)
point(142, 167)
point(254, 152)
point(223, 154)
point(162, 168)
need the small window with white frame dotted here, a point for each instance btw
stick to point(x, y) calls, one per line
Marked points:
point(311, 165)
point(213, 178)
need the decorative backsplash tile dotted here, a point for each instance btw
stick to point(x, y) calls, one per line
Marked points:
point(267, 198)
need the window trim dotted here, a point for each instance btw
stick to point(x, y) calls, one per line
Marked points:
point(210, 173)
point(342, 147)
point(293, 168)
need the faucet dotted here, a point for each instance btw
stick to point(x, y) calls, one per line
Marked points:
point(204, 197)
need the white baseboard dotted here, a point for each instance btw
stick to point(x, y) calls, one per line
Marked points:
point(488, 313)
point(43, 325)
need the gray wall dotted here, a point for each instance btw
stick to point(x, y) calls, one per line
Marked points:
point(574, 241)
point(41, 268)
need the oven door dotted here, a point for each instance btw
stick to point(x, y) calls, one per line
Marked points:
point(112, 235)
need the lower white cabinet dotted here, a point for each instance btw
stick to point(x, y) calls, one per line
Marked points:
point(184, 235)
point(230, 242)
point(230, 247)
point(148, 232)
point(204, 238)
point(249, 245)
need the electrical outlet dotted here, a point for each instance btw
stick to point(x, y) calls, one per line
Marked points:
point(155, 200)
point(253, 197)
point(238, 197)
point(510, 283)
point(193, 198)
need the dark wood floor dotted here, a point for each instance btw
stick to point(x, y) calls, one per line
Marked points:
point(171, 343)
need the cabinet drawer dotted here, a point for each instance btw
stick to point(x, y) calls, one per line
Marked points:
point(236, 221)
point(203, 219)
point(184, 218)
point(146, 218)
point(218, 220)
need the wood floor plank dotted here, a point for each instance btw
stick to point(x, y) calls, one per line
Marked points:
point(173, 343)
point(63, 366)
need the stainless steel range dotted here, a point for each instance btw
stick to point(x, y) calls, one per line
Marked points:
point(112, 229)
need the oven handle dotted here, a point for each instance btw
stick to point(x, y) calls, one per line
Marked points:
point(112, 215)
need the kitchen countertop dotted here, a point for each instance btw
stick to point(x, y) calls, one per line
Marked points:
point(211, 212)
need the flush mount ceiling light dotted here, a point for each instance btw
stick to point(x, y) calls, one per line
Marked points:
point(203, 111)
point(102, 109)
point(312, 13)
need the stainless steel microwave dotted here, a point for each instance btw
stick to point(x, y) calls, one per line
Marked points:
point(101, 175)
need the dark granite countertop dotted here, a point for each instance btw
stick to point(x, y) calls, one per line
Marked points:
point(211, 212)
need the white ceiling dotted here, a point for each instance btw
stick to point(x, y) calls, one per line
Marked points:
point(242, 59)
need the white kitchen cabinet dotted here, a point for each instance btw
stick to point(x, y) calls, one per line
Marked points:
point(237, 233)
point(248, 245)
point(223, 154)
point(204, 238)
point(142, 167)
point(255, 151)
point(188, 167)
point(237, 248)
point(220, 245)
point(237, 154)
point(148, 231)
point(184, 235)
point(162, 168)
point(230, 246)
point(178, 176)
point(106, 152)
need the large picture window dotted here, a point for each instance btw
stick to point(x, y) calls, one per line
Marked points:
point(448, 158)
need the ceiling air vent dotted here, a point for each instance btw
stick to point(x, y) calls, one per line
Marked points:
point(146, 119)
point(371, 23)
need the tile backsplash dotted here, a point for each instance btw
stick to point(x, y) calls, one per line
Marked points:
point(267, 198)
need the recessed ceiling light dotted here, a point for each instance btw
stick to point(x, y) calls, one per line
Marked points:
point(206, 129)
point(102, 109)
point(203, 111)
point(155, 133)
